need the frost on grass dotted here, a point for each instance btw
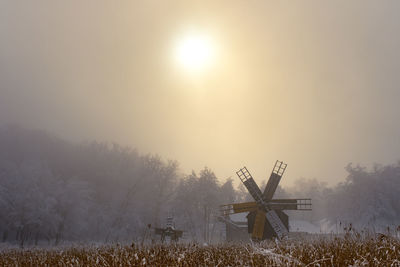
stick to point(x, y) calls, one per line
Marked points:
point(344, 251)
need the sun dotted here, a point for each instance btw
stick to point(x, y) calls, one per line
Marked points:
point(195, 52)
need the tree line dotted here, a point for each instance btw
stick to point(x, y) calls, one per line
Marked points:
point(53, 190)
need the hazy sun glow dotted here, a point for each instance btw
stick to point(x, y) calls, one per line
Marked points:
point(195, 52)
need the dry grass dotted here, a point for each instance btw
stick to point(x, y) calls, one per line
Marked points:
point(345, 251)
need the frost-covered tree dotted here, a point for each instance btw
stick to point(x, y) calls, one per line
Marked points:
point(52, 190)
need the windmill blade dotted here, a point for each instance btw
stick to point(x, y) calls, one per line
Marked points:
point(290, 204)
point(283, 204)
point(274, 179)
point(250, 184)
point(259, 223)
point(276, 224)
point(244, 207)
point(238, 208)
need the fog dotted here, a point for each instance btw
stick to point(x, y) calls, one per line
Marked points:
point(54, 191)
point(314, 84)
point(103, 133)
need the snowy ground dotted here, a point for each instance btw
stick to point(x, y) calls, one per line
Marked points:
point(351, 250)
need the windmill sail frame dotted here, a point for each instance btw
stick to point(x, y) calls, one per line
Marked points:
point(266, 213)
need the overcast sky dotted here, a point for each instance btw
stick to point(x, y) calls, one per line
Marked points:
point(313, 83)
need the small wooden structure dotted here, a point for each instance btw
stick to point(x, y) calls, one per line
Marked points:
point(169, 231)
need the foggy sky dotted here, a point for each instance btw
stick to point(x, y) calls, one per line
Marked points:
point(309, 82)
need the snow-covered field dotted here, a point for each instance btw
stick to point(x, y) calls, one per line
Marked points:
point(334, 251)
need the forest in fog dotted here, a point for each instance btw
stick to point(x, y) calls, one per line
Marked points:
point(53, 190)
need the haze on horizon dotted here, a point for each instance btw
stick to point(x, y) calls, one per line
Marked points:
point(312, 83)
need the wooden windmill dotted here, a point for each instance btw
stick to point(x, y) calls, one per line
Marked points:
point(266, 218)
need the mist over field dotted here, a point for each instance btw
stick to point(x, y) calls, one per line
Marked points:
point(314, 84)
point(125, 123)
point(53, 190)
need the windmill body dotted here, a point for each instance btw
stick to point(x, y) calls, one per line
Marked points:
point(266, 217)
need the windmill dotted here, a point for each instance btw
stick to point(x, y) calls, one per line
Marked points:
point(169, 230)
point(266, 218)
